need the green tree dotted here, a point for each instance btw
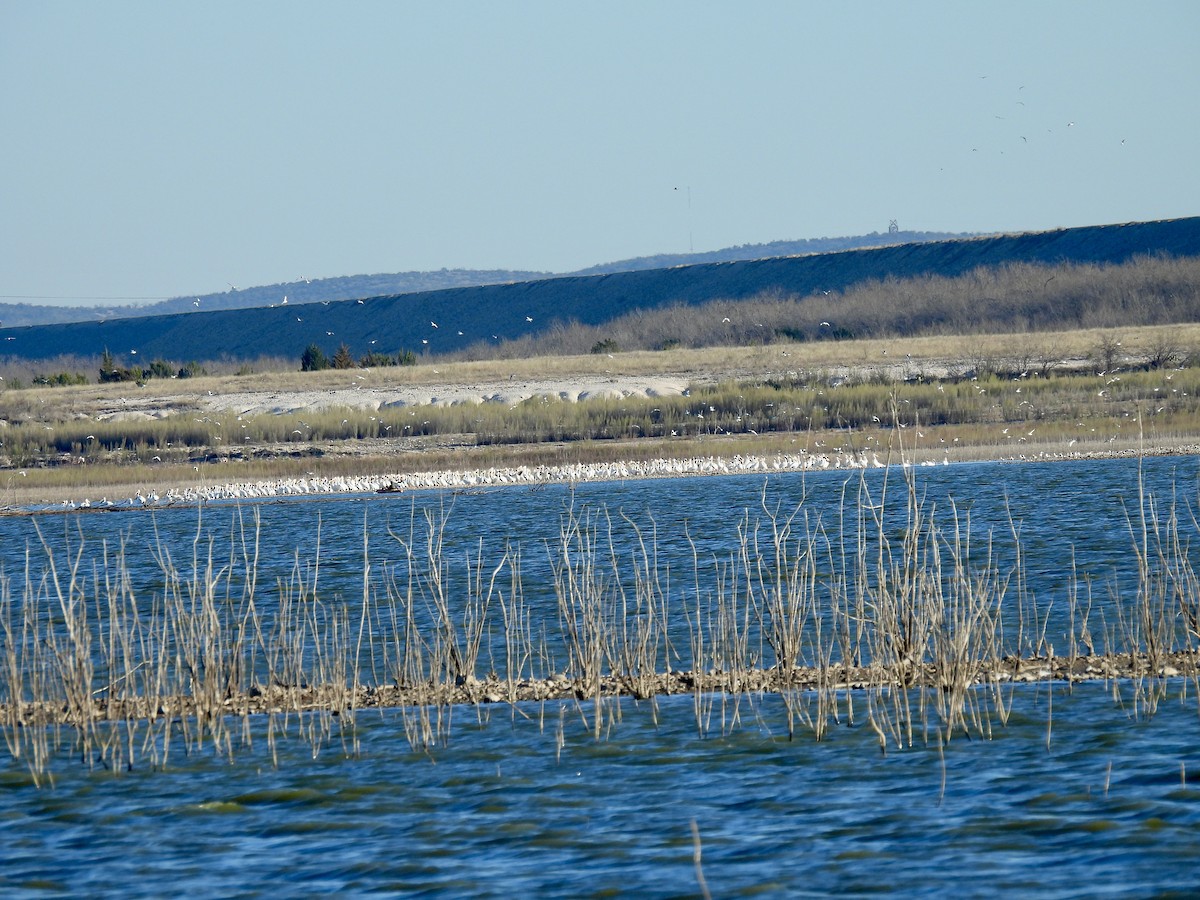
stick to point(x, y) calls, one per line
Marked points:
point(107, 366)
point(313, 359)
point(110, 372)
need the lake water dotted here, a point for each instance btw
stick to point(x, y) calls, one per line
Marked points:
point(1082, 793)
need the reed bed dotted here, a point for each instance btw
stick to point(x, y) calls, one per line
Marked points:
point(893, 612)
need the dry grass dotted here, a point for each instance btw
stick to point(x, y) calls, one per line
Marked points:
point(700, 365)
point(920, 631)
point(760, 400)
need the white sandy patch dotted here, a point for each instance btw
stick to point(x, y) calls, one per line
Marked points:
point(508, 393)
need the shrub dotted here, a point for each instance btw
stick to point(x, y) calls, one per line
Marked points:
point(59, 379)
point(375, 360)
point(160, 368)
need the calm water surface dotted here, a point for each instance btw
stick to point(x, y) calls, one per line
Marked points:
point(1080, 795)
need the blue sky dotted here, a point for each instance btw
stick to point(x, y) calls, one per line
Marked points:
point(157, 149)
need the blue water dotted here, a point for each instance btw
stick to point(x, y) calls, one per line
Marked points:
point(1080, 794)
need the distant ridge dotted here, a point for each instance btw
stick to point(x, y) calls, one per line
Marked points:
point(774, 248)
point(469, 315)
point(354, 287)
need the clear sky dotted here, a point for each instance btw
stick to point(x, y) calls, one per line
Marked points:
point(156, 149)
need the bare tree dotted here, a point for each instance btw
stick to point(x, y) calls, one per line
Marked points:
point(1162, 351)
point(1107, 353)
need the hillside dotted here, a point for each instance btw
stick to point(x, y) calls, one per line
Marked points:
point(316, 290)
point(354, 287)
point(457, 318)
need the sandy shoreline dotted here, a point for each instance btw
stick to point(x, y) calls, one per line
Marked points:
point(361, 390)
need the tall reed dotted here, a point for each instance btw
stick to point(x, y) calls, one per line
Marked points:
point(892, 611)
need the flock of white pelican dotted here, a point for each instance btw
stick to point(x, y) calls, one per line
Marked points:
point(494, 477)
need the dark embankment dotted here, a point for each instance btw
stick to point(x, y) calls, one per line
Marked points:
point(455, 319)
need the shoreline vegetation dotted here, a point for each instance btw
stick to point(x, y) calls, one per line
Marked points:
point(783, 406)
point(921, 633)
